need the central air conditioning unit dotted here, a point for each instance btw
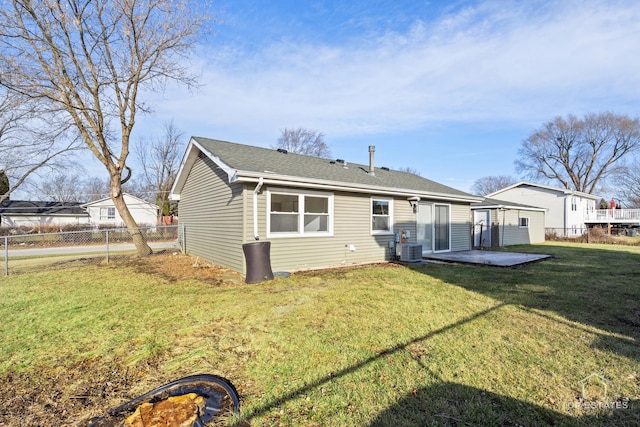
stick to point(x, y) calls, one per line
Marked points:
point(410, 252)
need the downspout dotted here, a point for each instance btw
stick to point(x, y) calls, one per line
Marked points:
point(255, 208)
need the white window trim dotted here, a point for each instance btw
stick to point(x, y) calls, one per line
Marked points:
point(301, 232)
point(391, 223)
point(520, 223)
point(107, 217)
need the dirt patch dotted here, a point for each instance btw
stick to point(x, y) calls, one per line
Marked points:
point(343, 272)
point(72, 395)
point(66, 397)
point(174, 266)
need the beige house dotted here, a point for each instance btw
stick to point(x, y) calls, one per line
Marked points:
point(316, 212)
point(498, 223)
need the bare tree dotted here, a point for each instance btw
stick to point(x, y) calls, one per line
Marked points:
point(411, 170)
point(303, 141)
point(579, 153)
point(160, 160)
point(61, 187)
point(4, 184)
point(95, 188)
point(90, 59)
point(30, 140)
point(628, 185)
point(491, 184)
point(137, 186)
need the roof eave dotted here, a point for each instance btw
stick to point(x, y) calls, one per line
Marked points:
point(287, 180)
point(547, 187)
point(189, 158)
point(509, 207)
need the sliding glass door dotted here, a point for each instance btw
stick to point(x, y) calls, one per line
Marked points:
point(441, 228)
point(433, 228)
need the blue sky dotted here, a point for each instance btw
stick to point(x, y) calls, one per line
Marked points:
point(449, 88)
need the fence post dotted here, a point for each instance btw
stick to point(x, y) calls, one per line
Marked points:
point(106, 234)
point(6, 255)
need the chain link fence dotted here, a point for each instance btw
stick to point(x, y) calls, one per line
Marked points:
point(24, 252)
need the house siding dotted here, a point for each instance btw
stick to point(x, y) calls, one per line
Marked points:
point(460, 227)
point(560, 216)
point(506, 228)
point(552, 200)
point(42, 220)
point(144, 213)
point(351, 227)
point(212, 216)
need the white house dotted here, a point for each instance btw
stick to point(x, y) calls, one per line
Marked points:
point(104, 213)
point(26, 213)
point(566, 209)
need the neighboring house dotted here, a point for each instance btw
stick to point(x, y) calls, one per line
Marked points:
point(566, 209)
point(104, 213)
point(501, 223)
point(21, 213)
point(315, 212)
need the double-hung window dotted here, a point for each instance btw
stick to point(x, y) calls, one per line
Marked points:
point(523, 222)
point(107, 213)
point(381, 216)
point(293, 214)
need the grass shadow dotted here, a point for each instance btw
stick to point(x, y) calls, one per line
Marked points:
point(586, 287)
point(356, 366)
point(451, 404)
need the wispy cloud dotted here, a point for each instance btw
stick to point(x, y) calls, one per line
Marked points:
point(493, 61)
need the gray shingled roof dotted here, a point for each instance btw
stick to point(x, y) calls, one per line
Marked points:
point(264, 160)
point(27, 207)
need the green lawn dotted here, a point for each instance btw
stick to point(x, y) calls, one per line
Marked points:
point(381, 345)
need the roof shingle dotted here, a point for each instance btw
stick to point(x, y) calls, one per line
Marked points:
point(263, 160)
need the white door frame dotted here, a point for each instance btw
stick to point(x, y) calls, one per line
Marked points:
point(482, 218)
point(426, 212)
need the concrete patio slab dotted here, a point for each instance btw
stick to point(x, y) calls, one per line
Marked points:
point(498, 259)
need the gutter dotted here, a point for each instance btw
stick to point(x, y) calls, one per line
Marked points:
point(255, 208)
point(274, 179)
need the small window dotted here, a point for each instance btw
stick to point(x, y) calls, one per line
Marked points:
point(381, 219)
point(107, 213)
point(524, 222)
point(574, 204)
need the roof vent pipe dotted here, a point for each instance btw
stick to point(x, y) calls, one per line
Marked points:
point(372, 149)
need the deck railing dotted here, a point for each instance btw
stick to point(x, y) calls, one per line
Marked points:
point(613, 215)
